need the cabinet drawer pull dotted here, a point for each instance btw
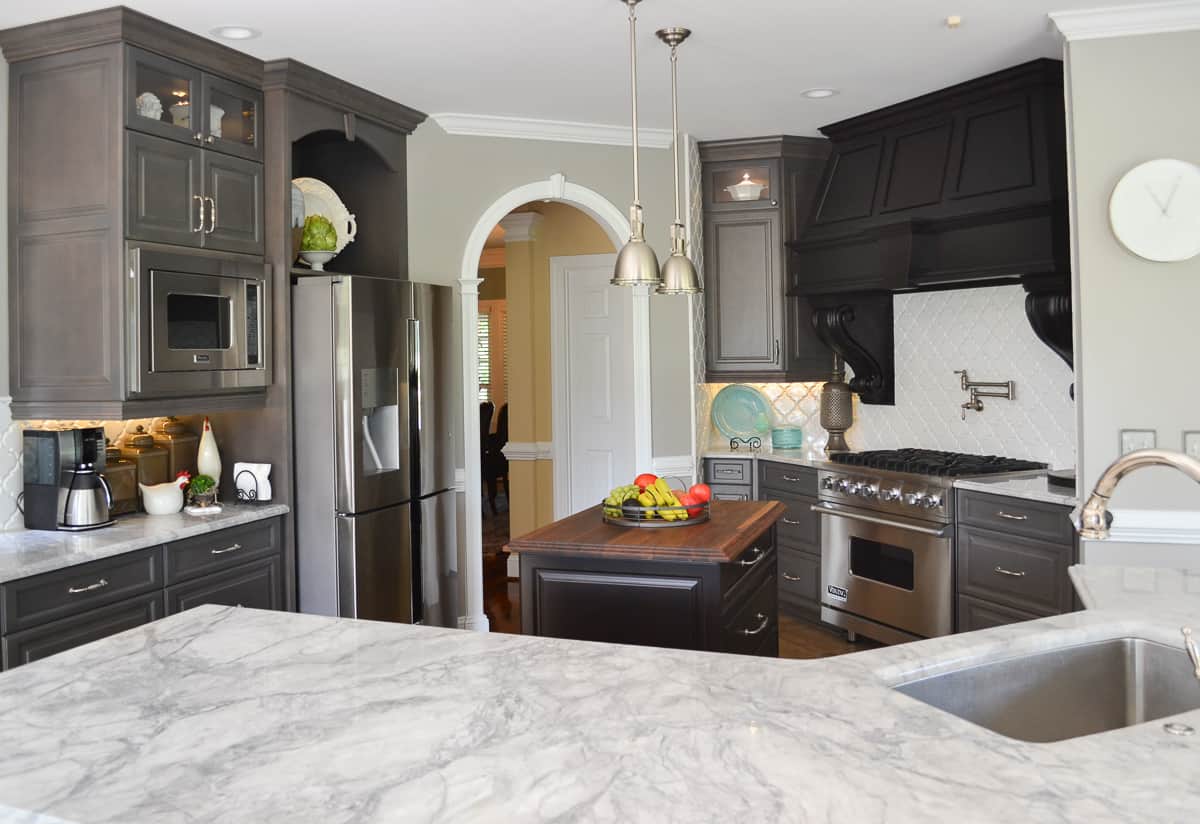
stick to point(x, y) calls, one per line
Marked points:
point(233, 548)
point(1012, 517)
point(791, 479)
point(101, 584)
point(737, 472)
point(762, 625)
point(787, 576)
point(1002, 571)
point(758, 556)
point(790, 522)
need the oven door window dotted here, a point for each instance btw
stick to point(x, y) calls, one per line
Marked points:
point(196, 321)
point(885, 563)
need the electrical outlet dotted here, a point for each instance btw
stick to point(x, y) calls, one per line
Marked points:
point(1191, 444)
point(1135, 439)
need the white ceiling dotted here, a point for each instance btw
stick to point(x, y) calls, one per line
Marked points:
point(740, 73)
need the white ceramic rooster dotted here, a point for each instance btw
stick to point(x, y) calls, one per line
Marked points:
point(165, 499)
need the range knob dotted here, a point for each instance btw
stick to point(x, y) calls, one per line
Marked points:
point(827, 482)
point(869, 490)
point(853, 487)
point(932, 501)
point(842, 485)
point(914, 499)
point(890, 495)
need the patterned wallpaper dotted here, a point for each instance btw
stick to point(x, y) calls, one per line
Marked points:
point(984, 331)
point(11, 479)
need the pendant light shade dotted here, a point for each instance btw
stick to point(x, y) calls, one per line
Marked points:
point(679, 275)
point(637, 265)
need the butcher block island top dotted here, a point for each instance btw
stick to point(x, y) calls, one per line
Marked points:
point(732, 528)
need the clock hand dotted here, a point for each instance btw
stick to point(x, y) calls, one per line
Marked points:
point(1157, 202)
point(1167, 207)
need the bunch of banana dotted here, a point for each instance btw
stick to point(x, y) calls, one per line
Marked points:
point(659, 494)
point(619, 495)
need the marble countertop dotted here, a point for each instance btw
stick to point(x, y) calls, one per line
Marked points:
point(32, 552)
point(797, 457)
point(235, 715)
point(1176, 591)
point(1036, 488)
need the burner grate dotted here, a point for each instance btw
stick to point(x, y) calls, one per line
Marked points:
point(933, 462)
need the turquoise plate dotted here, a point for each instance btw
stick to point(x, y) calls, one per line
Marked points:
point(740, 411)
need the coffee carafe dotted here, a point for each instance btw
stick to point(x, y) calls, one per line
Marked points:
point(84, 499)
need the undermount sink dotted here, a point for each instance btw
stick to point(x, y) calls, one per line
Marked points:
point(1069, 692)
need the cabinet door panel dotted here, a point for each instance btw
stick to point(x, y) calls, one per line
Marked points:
point(233, 118)
point(59, 636)
point(160, 94)
point(163, 203)
point(234, 191)
point(744, 304)
point(255, 585)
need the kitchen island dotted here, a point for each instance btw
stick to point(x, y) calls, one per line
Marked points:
point(708, 586)
point(236, 715)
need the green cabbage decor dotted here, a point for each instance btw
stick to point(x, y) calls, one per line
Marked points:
point(319, 235)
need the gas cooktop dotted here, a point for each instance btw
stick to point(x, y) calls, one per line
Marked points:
point(933, 463)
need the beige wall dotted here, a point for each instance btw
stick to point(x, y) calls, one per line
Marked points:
point(493, 286)
point(563, 231)
point(453, 180)
point(1133, 99)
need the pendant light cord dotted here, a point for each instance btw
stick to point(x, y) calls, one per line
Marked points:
point(675, 127)
point(637, 201)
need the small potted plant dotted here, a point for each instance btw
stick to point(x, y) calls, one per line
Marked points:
point(318, 243)
point(202, 492)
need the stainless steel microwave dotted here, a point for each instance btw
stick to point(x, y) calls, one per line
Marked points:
point(199, 323)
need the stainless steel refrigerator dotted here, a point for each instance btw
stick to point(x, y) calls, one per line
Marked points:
point(372, 368)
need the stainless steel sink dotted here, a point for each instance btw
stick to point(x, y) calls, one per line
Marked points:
point(1069, 692)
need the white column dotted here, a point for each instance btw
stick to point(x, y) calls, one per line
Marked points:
point(475, 618)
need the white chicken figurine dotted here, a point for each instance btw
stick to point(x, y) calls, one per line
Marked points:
point(165, 499)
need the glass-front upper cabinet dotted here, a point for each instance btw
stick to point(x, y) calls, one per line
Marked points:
point(234, 123)
point(174, 100)
point(743, 184)
point(161, 96)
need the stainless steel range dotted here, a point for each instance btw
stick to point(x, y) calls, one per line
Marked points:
point(887, 538)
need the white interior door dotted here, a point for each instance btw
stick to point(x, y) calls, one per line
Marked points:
point(592, 373)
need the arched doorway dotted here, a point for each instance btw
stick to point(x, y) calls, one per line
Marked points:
point(614, 224)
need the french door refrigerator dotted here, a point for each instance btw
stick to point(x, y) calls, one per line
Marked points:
point(372, 368)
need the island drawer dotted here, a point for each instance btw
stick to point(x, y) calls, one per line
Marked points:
point(732, 492)
point(256, 585)
point(224, 549)
point(787, 478)
point(1014, 571)
point(1015, 516)
point(76, 630)
point(740, 576)
point(29, 602)
point(800, 580)
point(975, 614)
point(745, 631)
point(728, 470)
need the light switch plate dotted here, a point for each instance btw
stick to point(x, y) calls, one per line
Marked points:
point(1135, 439)
point(1191, 444)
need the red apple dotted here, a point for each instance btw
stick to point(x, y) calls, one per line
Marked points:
point(701, 492)
point(644, 480)
point(691, 502)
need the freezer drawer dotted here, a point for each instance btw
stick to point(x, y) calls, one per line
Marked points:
point(437, 562)
point(375, 565)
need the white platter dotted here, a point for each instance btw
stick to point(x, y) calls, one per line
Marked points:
point(319, 199)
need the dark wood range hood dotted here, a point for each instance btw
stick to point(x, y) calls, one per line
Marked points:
point(963, 187)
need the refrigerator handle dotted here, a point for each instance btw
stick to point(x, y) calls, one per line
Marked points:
point(415, 425)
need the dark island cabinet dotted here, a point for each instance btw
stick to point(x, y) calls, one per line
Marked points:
point(55, 611)
point(757, 196)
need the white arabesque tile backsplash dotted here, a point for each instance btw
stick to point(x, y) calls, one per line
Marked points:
point(984, 331)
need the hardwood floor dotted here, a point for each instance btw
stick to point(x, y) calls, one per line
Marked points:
point(797, 638)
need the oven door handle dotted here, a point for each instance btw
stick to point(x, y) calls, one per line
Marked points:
point(937, 532)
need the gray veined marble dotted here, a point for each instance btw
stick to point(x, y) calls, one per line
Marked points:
point(31, 552)
point(230, 715)
point(1036, 488)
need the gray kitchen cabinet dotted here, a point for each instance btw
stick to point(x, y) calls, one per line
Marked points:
point(731, 479)
point(222, 550)
point(256, 585)
point(754, 330)
point(234, 113)
point(165, 198)
point(233, 189)
point(73, 631)
point(1012, 557)
point(798, 533)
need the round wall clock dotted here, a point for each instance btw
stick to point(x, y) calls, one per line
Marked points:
point(1155, 210)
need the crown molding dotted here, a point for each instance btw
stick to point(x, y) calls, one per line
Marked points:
point(560, 131)
point(1124, 21)
point(520, 227)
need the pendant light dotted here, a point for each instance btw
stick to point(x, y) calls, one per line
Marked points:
point(678, 274)
point(637, 265)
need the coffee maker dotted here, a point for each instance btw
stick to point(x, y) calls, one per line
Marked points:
point(64, 485)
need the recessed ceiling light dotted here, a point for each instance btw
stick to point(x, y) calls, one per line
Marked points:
point(235, 32)
point(819, 94)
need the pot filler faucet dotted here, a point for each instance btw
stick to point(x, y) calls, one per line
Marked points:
point(1094, 518)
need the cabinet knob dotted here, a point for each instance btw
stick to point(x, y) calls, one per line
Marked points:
point(210, 140)
point(198, 137)
point(774, 202)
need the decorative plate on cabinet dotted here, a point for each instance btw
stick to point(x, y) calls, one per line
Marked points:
point(740, 411)
point(319, 199)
